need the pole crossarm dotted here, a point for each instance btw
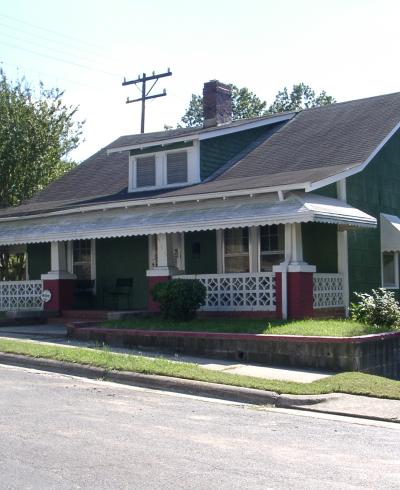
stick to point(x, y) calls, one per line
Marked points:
point(142, 79)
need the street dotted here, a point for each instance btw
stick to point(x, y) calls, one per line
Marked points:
point(57, 431)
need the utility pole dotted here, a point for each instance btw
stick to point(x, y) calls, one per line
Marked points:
point(145, 94)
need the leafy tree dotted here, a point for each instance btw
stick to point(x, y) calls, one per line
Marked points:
point(302, 96)
point(37, 132)
point(246, 104)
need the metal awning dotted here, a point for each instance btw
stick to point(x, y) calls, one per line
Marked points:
point(390, 233)
point(183, 217)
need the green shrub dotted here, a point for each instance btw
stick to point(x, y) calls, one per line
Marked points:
point(179, 298)
point(379, 308)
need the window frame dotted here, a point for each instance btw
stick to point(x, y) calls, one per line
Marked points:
point(281, 252)
point(193, 168)
point(396, 261)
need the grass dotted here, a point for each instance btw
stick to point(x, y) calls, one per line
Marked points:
point(353, 383)
point(331, 328)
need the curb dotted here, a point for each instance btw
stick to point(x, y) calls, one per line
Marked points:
point(153, 381)
point(184, 386)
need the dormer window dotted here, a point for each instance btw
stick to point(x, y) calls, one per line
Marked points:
point(177, 167)
point(146, 171)
point(168, 168)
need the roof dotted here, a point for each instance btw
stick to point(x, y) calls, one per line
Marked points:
point(312, 146)
point(206, 215)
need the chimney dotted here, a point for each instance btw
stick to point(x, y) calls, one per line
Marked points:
point(217, 103)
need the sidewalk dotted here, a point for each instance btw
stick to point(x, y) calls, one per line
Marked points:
point(335, 403)
point(57, 334)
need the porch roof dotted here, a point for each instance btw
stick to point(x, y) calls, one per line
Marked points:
point(390, 233)
point(204, 215)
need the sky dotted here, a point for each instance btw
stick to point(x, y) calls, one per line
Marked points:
point(349, 48)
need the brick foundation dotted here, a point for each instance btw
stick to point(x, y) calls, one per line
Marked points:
point(62, 294)
point(300, 294)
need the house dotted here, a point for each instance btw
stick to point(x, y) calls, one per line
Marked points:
point(282, 216)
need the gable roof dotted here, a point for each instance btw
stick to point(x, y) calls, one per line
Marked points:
point(314, 145)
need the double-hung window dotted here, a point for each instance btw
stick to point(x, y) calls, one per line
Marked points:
point(236, 250)
point(390, 270)
point(272, 246)
point(82, 259)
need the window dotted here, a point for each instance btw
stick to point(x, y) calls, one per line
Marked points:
point(272, 246)
point(177, 168)
point(166, 168)
point(236, 250)
point(82, 259)
point(390, 269)
point(146, 171)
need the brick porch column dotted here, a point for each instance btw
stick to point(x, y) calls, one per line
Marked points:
point(58, 283)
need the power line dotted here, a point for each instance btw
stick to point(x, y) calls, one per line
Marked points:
point(58, 59)
point(40, 45)
point(70, 47)
point(145, 93)
point(52, 32)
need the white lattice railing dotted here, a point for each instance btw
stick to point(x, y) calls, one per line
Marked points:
point(21, 295)
point(328, 291)
point(238, 292)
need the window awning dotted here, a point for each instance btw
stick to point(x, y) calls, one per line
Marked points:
point(183, 217)
point(390, 233)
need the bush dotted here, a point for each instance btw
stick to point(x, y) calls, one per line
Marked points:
point(379, 308)
point(179, 298)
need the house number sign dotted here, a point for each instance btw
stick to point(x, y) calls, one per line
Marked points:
point(46, 295)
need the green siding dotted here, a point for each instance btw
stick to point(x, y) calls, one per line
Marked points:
point(327, 191)
point(122, 258)
point(38, 260)
point(375, 190)
point(201, 252)
point(215, 152)
point(154, 149)
point(320, 246)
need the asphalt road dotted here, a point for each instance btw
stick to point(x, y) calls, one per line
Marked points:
point(61, 432)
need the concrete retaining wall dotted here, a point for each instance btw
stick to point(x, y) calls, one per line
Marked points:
point(375, 354)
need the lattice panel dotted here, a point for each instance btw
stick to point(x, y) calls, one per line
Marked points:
point(20, 295)
point(238, 292)
point(328, 291)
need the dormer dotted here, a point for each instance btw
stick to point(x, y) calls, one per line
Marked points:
point(164, 166)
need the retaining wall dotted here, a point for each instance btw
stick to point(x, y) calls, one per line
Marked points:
point(374, 354)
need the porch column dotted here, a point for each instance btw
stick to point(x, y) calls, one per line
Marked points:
point(342, 246)
point(295, 276)
point(58, 282)
point(162, 264)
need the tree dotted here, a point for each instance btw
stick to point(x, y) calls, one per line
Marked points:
point(246, 104)
point(37, 132)
point(302, 96)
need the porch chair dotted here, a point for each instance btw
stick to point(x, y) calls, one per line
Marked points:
point(84, 292)
point(123, 289)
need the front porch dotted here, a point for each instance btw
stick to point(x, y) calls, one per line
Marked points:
point(282, 256)
point(256, 271)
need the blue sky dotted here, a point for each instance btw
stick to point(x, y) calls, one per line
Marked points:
point(349, 48)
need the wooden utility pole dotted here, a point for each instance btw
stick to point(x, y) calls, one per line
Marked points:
point(145, 94)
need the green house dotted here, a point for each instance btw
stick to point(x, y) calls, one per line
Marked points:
point(285, 215)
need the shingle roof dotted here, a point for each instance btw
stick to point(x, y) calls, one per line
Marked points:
point(315, 144)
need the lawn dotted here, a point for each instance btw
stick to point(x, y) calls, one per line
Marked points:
point(331, 328)
point(353, 383)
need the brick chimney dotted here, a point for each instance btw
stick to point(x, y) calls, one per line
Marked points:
point(217, 103)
